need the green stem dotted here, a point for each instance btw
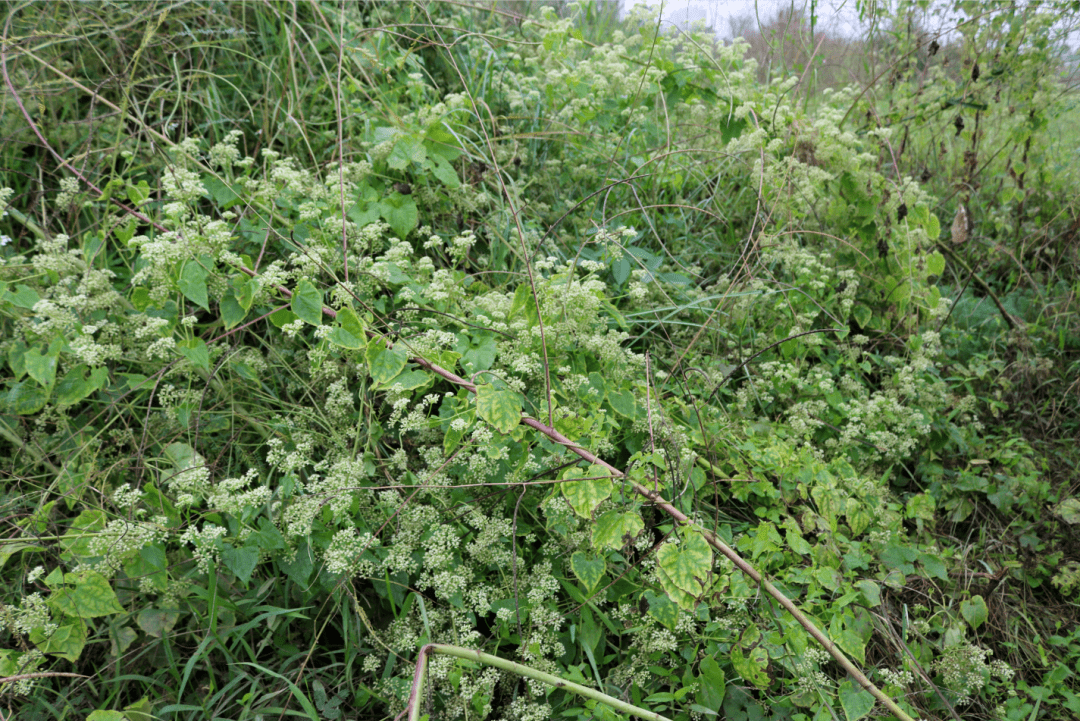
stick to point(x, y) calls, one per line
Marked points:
point(1008, 317)
point(487, 659)
point(701, 461)
point(8, 434)
point(27, 223)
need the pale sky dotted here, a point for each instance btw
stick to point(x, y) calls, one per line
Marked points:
point(838, 15)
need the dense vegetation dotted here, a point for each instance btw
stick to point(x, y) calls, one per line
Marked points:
point(331, 330)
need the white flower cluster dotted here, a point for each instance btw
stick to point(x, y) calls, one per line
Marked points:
point(343, 554)
point(120, 540)
point(965, 670)
point(181, 184)
point(233, 496)
point(900, 678)
point(33, 613)
point(5, 200)
point(205, 543)
point(69, 192)
point(225, 154)
point(809, 676)
point(522, 709)
point(189, 485)
point(416, 419)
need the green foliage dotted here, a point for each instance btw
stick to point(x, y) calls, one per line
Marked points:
point(269, 436)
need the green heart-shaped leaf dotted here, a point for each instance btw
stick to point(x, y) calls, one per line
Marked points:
point(613, 528)
point(857, 702)
point(192, 283)
point(585, 496)
point(409, 380)
point(662, 608)
point(688, 564)
point(588, 569)
point(91, 597)
point(231, 311)
point(307, 302)
point(344, 339)
point(623, 402)
point(385, 363)
point(500, 408)
point(974, 611)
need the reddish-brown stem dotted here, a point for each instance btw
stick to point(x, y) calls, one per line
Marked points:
point(555, 436)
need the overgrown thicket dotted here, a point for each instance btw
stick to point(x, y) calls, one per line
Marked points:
point(331, 330)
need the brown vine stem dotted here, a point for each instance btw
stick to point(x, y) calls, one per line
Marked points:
point(657, 500)
point(653, 497)
point(548, 431)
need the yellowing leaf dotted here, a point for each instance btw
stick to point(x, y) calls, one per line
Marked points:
point(615, 528)
point(1069, 510)
point(42, 366)
point(870, 590)
point(935, 264)
point(500, 408)
point(155, 622)
point(26, 398)
point(91, 597)
point(351, 322)
point(752, 666)
point(676, 594)
point(588, 569)
point(857, 702)
point(933, 227)
point(688, 564)
point(858, 518)
point(585, 496)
